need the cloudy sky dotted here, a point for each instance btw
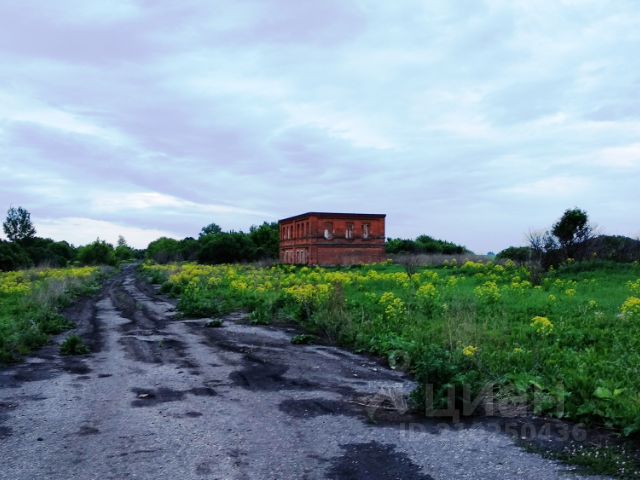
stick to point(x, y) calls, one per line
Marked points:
point(473, 121)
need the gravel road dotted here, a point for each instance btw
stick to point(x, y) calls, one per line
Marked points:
point(162, 398)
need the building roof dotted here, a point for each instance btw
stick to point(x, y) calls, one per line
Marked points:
point(363, 216)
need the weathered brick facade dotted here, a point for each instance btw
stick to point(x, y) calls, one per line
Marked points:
point(316, 238)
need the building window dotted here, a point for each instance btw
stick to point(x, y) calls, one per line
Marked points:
point(328, 230)
point(365, 230)
point(349, 231)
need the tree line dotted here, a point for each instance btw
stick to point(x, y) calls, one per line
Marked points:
point(24, 249)
point(215, 246)
point(572, 238)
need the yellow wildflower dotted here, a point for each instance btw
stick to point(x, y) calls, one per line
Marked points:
point(542, 325)
point(469, 351)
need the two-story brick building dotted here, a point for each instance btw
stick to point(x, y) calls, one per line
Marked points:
point(320, 238)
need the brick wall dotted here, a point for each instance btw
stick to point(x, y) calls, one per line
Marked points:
point(332, 239)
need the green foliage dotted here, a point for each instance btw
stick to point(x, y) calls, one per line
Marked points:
point(214, 246)
point(198, 301)
point(18, 227)
point(211, 229)
point(123, 252)
point(97, 253)
point(517, 254)
point(266, 239)
point(612, 460)
point(568, 344)
point(49, 253)
point(226, 248)
point(423, 244)
point(30, 309)
point(572, 228)
point(73, 345)
point(165, 250)
point(13, 256)
point(572, 238)
point(303, 339)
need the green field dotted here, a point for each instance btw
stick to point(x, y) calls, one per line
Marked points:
point(565, 344)
point(30, 303)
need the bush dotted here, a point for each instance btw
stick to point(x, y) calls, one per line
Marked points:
point(226, 248)
point(13, 256)
point(97, 253)
point(423, 244)
point(73, 345)
point(517, 254)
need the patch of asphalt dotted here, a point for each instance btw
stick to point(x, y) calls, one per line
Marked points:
point(365, 461)
point(162, 398)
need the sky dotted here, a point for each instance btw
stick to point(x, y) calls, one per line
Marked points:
point(472, 121)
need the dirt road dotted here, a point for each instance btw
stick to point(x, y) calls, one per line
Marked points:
point(161, 398)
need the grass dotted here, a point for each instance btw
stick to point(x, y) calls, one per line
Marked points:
point(564, 344)
point(73, 345)
point(30, 305)
point(303, 339)
point(612, 460)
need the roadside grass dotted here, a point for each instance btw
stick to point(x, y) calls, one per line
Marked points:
point(566, 344)
point(611, 460)
point(30, 304)
point(73, 345)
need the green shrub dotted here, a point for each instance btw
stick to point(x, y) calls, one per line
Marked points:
point(97, 253)
point(303, 339)
point(73, 345)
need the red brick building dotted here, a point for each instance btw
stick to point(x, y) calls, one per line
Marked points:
point(317, 238)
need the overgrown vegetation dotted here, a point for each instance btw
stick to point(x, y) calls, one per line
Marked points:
point(572, 238)
point(30, 304)
point(73, 345)
point(567, 346)
point(25, 250)
point(423, 244)
point(215, 246)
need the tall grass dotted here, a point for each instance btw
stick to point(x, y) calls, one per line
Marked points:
point(30, 305)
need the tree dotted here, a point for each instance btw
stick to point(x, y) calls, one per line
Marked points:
point(572, 230)
point(211, 229)
point(13, 256)
point(123, 251)
point(97, 253)
point(266, 238)
point(227, 248)
point(517, 254)
point(18, 226)
point(164, 250)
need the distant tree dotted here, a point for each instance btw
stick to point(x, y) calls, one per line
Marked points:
point(189, 248)
point(227, 248)
point(13, 256)
point(423, 244)
point(164, 250)
point(266, 239)
point(123, 251)
point(18, 227)
point(400, 245)
point(211, 229)
point(517, 254)
point(572, 230)
point(48, 252)
point(97, 253)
